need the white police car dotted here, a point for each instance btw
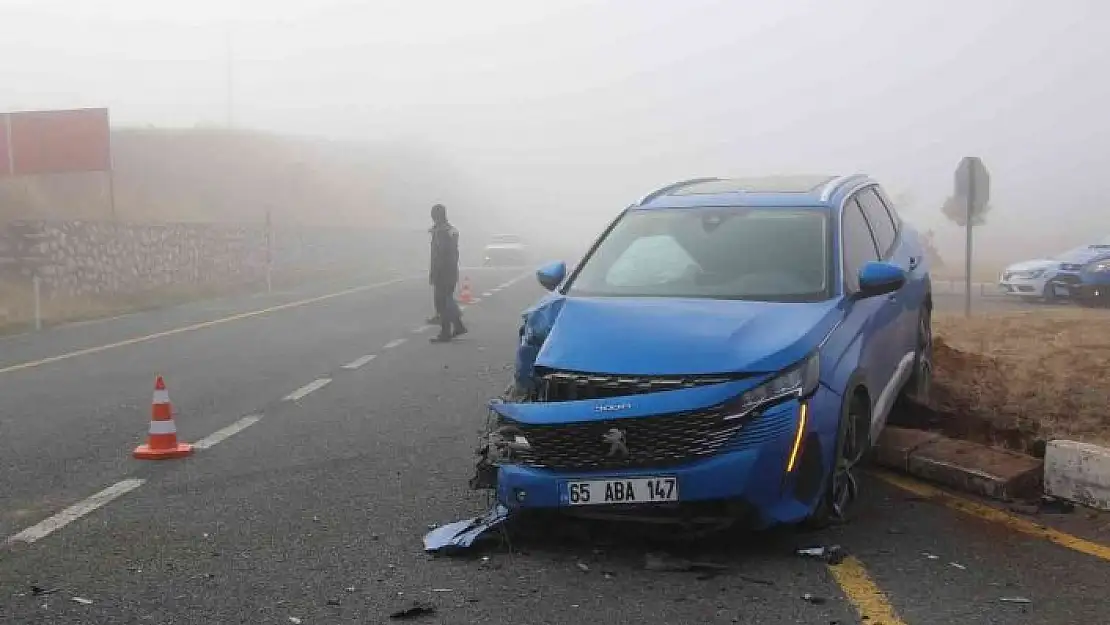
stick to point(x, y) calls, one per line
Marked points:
point(1052, 278)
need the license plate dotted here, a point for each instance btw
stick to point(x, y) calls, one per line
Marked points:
point(620, 491)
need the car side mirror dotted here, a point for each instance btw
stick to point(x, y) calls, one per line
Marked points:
point(880, 278)
point(550, 276)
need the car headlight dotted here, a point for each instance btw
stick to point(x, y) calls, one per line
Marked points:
point(1036, 274)
point(1101, 266)
point(797, 381)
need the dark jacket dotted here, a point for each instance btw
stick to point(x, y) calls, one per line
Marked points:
point(444, 266)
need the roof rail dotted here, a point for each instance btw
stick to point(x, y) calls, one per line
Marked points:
point(834, 184)
point(671, 187)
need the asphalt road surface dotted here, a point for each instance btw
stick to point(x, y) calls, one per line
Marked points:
point(334, 434)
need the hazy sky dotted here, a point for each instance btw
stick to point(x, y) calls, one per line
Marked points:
point(581, 106)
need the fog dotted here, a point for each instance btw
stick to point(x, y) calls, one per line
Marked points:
point(553, 116)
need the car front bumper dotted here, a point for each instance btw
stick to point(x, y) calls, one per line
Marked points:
point(749, 474)
point(1023, 287)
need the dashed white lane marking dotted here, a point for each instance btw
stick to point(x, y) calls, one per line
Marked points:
point(311, 387)
point(358, 362)
point(475, 300)
point(423, 328)
point(221, 435)
point(76, 511)
point(487, 294)
point(393, 343)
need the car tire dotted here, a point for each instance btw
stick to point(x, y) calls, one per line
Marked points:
point(918, 389)
point(836, 502)
point(1048, 295)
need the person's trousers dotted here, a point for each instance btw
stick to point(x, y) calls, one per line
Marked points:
point(447, 309)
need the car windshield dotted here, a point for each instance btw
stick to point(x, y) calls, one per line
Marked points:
point(764, 254)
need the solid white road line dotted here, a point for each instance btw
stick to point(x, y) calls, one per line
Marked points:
point(355, 364)
point(313, 386)
point(76, 511)
point(393, 343)
point(221, 435)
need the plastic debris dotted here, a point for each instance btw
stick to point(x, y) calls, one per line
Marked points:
point(417, 609)
point(833, 554)
point(957, 565)
point(463, 534)
point(931, 556)
point(294, 620)
point(582, 566)
point(814, 599)
point(1021, 600)
point(82, 600)
point(39, 590)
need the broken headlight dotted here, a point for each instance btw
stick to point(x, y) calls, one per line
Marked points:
point(797, 381)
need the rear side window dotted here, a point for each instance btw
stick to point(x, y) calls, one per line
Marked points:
point(881, 223)
point(858, 244)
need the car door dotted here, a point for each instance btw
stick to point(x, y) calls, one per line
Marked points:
point(897, 249)
point(874, 319)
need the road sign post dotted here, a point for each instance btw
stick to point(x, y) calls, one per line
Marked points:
point(973, 187)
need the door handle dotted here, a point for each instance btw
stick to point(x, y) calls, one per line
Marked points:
point(914, 260)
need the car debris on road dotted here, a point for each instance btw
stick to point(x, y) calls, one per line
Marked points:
point(462, 535)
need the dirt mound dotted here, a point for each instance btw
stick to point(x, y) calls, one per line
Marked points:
point(1016, 379)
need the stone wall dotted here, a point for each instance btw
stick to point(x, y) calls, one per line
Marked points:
point(75, 258)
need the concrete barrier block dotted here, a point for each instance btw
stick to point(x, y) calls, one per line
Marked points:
point(1078, 472)
point(970, 467)
point(895, 445)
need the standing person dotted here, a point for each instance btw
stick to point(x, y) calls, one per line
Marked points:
point(443, 275)
point(434, 319)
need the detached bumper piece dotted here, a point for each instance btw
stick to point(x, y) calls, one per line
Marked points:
point(461, 535)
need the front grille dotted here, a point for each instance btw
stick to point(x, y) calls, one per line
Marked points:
point(656, 441)
point(1070, 267)
point(572, 385)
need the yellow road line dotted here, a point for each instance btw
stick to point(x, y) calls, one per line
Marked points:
point(870, 602)
point(995, 515)
point(195, 326)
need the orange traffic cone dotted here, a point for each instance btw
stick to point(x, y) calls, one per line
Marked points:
point(162, 440)
point(464, 296)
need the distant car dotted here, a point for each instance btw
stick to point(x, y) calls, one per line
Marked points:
point(727, 349)
point(505, 249)
point(1094, 283)
point(1049, 279)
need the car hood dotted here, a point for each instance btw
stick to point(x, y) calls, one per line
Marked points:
point(1032, 265)
point(662, 336)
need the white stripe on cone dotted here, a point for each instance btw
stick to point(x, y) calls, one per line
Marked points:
point(161, 396)
point(163, 427)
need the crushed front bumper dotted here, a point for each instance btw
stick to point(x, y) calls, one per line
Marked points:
point(747, 476)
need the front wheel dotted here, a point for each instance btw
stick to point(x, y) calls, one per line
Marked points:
point(918, 389)
point(852, 442)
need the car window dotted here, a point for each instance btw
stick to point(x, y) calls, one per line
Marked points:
point(882, 226)
point(761, 254)
point(858, 244)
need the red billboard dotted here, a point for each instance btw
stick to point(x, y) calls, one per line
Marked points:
point(55, 142)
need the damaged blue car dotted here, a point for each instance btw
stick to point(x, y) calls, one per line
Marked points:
point(727, 350)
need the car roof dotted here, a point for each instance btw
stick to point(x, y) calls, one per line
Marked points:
point(816, 191)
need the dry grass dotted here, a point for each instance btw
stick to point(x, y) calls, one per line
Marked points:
point(1024, 375)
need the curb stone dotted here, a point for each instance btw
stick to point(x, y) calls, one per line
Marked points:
point(970, 467)
point(1078, 472)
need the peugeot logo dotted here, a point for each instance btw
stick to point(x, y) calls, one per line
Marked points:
point(612, 407)
point(617, 447)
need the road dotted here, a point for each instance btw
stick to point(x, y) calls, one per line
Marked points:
point(323, 468)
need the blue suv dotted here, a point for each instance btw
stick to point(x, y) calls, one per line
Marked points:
point(727, 350)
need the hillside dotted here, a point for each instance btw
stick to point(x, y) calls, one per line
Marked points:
point(217, 175)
